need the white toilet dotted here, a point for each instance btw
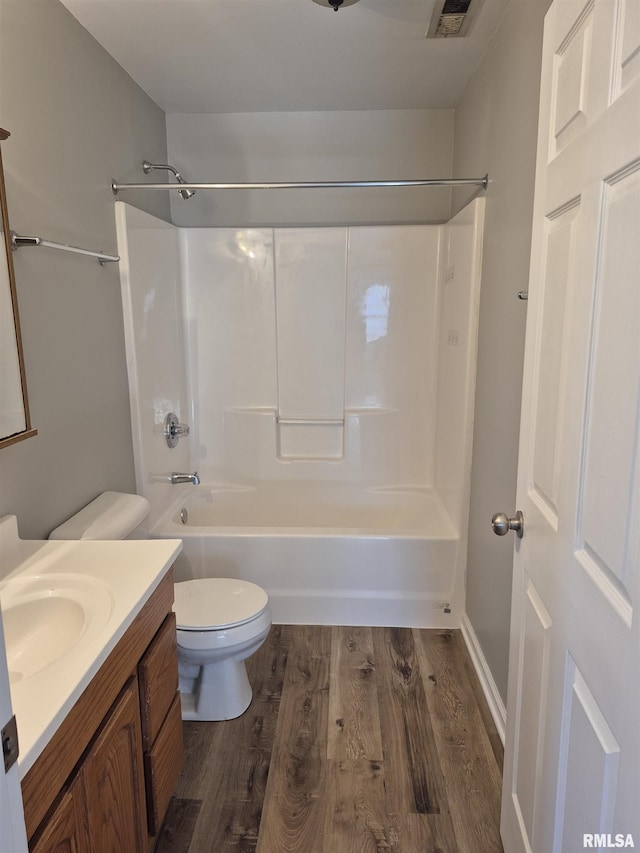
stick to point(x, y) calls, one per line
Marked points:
point(220, 621)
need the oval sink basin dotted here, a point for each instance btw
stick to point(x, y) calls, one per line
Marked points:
point(46, 617)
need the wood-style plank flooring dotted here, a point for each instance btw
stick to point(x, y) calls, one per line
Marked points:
point(357, 740)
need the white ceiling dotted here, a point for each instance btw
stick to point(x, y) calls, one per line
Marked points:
point(208, 56)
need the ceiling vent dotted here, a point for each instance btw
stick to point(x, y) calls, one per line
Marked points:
point(452, 18)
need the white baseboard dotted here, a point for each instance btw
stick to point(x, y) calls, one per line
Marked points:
point(489, 688)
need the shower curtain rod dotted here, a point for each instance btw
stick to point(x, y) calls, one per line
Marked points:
point(307, 185)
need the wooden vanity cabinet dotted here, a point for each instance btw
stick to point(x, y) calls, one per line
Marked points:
point(103, 807)
point(105, 787)
point(66, 830)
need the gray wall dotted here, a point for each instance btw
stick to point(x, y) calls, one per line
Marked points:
point(495, 130)
point(76, 121)
point(312, 146)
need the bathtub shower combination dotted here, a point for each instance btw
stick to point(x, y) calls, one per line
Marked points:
point(327, 375)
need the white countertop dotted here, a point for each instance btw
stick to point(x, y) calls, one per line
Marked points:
point(130, 571)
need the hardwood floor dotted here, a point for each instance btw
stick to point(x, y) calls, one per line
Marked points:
point(357, 740)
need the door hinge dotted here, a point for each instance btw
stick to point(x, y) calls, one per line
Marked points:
point(10, 747)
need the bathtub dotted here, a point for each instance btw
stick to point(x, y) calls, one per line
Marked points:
point(326, 554)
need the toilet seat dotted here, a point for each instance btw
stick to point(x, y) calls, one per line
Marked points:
point(217, 604)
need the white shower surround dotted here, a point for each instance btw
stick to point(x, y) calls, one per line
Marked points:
point(369, 529)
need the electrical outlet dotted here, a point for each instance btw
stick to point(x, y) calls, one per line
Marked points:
point(449, 274)
point(452, 337)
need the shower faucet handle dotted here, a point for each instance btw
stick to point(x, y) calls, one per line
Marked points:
point(173, 429)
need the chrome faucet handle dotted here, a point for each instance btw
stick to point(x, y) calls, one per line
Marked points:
point(173, 429)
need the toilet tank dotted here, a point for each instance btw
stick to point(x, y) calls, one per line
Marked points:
point(112, 515)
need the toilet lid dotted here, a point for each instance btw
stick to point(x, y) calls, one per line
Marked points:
point(207, 604)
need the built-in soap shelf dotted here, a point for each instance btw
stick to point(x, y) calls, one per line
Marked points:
point(310, 421)
point(307, 438)
point(310, 439)
point(272, 412)
point(370, 410)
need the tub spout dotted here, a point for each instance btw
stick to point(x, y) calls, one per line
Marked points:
point(177, 477)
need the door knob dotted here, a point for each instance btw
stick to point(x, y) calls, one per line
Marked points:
point(502, 524)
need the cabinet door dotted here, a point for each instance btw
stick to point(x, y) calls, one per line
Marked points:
point(66, 829)
point(114, 782)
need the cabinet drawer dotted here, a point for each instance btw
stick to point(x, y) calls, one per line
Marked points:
point(158, 677)
point(162, 766)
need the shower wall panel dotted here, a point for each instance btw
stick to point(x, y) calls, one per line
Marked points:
point(310, 318)
point(154, 337)
point(230, 320)
point(342, 337)
point(458, 325)
point(392, 348)
point(310, 279)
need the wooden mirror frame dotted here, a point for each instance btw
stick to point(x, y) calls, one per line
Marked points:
point(28, 431)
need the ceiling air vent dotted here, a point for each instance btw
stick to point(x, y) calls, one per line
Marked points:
point(452, 18)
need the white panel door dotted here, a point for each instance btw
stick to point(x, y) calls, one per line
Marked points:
point(572, 756)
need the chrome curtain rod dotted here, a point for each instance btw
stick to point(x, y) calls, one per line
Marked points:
point(18, 241)
point(308, 185)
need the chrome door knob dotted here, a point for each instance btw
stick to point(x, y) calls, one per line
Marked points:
point(502, 524)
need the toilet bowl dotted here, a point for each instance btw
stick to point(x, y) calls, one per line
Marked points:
point(220, 621)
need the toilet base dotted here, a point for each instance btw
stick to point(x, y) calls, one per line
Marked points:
point(203, 699)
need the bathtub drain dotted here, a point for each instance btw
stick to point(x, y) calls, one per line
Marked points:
point(184, 515)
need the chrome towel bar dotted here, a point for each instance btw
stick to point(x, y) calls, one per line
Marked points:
point(17, 241)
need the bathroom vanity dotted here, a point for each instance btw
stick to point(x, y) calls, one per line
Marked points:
point(109, 770)
point(100, 725)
